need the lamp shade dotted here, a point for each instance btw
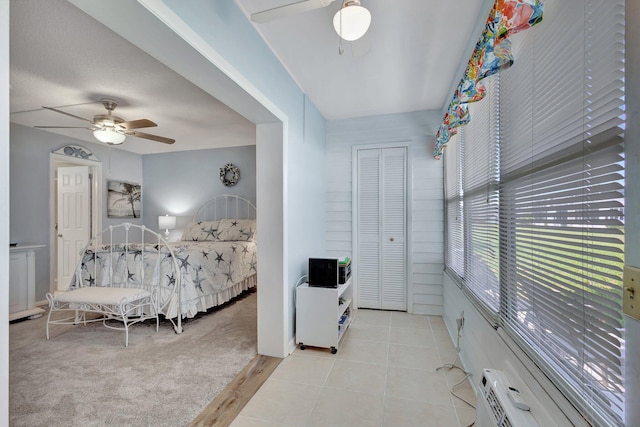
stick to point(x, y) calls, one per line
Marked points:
point(109, 135)
point(167, 222)
point(352, 21)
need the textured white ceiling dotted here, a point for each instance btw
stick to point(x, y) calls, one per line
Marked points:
point(62, 58)
point(408, 61)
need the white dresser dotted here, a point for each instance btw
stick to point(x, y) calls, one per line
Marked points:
point(22, 281)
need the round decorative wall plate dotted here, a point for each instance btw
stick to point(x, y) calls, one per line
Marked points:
point(229, 174)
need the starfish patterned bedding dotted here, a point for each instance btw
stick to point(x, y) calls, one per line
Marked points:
point(217, 261)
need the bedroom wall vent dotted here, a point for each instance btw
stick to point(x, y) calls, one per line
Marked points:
point(499, 404)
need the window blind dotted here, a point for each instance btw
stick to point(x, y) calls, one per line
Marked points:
point(480, 195)
point(535, 201)
point(562, 201)
point(453, 197)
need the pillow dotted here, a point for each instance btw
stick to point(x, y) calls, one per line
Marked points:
point(198, 231)
point(231, 230)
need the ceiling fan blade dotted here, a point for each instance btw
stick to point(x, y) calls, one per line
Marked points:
point(137, 124)
point(67, 114)
point(152, 137)
point(289, 9)
point(63, 127)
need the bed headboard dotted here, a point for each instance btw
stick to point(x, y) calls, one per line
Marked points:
point(225, 206)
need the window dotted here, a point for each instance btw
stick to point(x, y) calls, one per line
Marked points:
point(480, 195)
point(453, 185)
point(542, 167)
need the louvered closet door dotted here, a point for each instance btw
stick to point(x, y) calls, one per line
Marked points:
point(381, 217)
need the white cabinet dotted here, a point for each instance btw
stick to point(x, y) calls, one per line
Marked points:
point(22, 282)
point(18, 279)
point(323, 315)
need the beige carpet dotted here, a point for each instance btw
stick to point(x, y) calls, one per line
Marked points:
point(84, 376)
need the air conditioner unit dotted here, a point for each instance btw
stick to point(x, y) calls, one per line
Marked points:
point(499, 404)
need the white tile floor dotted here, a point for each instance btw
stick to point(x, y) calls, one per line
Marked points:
point(384, 374)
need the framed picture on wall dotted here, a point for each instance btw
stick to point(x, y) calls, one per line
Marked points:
point(123, 199)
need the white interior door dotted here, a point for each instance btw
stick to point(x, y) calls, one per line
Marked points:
point(369, 251)
point(74, 227)
point(381, 228)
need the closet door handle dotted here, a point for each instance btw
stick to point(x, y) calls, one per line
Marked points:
point(391, 239)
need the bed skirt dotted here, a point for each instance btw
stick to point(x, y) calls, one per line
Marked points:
point(193, 307)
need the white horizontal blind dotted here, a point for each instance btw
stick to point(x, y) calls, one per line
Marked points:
point(544, 88)
point(480, 190)
point(453, 205)
point(561, 201)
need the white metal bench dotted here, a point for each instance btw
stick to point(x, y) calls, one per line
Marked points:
point(112, 294)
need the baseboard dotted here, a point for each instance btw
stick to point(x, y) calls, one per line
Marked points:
point(31, 313)
point(292, 346)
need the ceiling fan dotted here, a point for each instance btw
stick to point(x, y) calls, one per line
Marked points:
point(350, 22)
point(109, 128)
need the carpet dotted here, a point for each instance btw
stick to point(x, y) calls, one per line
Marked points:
point(84, 376)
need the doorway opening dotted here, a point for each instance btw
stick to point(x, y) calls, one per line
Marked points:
point(61, 162)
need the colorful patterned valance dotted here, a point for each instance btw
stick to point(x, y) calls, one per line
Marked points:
point(491, 54)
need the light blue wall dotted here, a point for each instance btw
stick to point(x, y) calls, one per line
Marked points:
point(307, 204)
point(224, 27)
point(29, 188)
point(178, 183)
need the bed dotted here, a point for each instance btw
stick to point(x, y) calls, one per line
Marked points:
point(214, 261)
point(217, 254)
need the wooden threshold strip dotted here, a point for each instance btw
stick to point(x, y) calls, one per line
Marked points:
point(227, 405)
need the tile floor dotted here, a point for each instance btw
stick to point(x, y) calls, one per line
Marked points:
point(384, 374)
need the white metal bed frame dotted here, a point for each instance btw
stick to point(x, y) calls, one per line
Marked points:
point(128, 304)
point(235, 207)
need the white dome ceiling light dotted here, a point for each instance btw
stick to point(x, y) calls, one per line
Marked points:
point(109, 135)
point(352, 20)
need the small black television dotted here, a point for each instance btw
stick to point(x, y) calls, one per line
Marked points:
point(323, 272)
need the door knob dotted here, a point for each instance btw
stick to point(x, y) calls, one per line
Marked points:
point(59, 235)
point(391, 239)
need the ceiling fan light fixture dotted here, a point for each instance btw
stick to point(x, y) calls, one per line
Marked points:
point(352, 21)
point(109, 135)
